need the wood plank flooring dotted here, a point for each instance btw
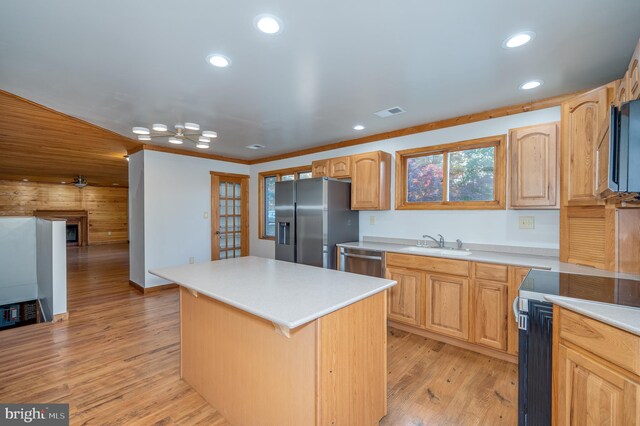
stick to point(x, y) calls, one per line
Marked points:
point(116, 361)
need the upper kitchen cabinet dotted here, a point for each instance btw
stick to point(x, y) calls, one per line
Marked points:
point(340, 167)
point(371, 181)
point(320, 168)
point(633, 76)
point(582, 118)
point(620, 91)
point(534, 167)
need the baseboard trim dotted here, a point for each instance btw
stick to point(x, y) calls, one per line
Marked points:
point(147, 290)
point(61, 317)
point(455, 342)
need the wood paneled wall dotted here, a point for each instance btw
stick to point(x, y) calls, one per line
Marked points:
point(107, 207)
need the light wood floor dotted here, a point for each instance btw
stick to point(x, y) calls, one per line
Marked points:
point(116, 361)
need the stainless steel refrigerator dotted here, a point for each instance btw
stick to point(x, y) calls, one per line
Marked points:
point(312, 216)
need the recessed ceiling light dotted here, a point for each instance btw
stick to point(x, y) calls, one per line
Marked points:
point(268, 24)
point(192, 126)
point(144, 137)
point(159, 127)
point(219, 61)
point(255, 146)
point(140, 130)
point(531, 84)
point(358, 127)
point(519, 39)
point(175, 141)
point(202, 145)
point(209, 134)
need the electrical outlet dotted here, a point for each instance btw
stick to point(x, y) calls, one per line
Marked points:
point(192, 259)
point(526, 222)
point(205, 215)
point(372, 220)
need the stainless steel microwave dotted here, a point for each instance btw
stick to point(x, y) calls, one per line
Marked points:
point(624, 148)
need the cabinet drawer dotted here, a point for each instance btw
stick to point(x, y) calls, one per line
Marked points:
point(488, 271)
point(610, 343)
point(429, 264)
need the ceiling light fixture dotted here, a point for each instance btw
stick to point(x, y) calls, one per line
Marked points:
point(358, 127)
point(80, 181)
point(268, 24)
point(140, 130)
point(202, 145)
point(518, 40)
point(531, 84)
point(187, 131)
point(255, 146)
point(218, 60)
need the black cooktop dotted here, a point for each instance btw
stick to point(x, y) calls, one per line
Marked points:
point(617, 291)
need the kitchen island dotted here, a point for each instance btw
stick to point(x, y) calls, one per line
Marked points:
point(276, 343)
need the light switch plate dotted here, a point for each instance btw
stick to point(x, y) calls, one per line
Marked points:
point(526, 222)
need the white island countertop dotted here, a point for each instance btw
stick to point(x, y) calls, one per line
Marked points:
point(287, 294)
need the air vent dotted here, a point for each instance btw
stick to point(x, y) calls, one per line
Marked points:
point(255, 146)
point(389, 112)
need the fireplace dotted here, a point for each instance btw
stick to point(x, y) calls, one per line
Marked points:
point(72, 234)
point(77, 224)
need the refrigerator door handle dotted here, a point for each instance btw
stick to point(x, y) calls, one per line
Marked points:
point(325, 256)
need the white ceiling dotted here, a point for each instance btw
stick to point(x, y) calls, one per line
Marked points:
point(120, 63)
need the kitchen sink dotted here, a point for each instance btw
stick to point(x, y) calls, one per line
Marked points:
point(437, 251)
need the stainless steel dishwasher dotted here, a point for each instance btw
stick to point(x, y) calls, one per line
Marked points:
point(362, 261)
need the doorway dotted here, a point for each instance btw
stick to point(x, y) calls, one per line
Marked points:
point(229, 215)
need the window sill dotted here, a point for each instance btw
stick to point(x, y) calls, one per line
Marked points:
point(268, 238)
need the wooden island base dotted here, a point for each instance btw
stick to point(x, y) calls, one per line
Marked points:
point(330, 371)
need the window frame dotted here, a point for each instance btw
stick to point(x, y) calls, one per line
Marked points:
point(499, 142)
point(295, 171)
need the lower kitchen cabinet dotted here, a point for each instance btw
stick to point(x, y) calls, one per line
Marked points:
point(447, 308)
point(491, 314)
point(405, 298)
point(596, 372)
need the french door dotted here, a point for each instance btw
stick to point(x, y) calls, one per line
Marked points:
point(229, 215)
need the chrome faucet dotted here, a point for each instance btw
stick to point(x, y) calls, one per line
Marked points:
point(440, 242)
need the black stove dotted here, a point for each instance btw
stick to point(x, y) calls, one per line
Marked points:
point(617, 291)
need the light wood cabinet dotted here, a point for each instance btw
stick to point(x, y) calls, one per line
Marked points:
point(582, 117)
point(602, 162)
point(491, 314)
point(596, 372)
point(620, 90)
point(320, 168)
point(633, 76)
point(371, 181)
point(534, 167)
point(447, 305)
point(405, 298)
point(340, 167)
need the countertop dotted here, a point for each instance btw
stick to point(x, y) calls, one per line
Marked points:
point(625, 318)
point(287, 294)
point(526, 260)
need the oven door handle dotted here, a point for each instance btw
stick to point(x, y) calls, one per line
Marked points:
point(516, 312)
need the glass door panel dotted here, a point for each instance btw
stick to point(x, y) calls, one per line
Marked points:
point(230, 220)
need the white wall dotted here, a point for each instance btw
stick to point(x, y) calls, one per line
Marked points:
point(177, 195)
point(18, 279)
point(51, 265)
point(476, 226)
